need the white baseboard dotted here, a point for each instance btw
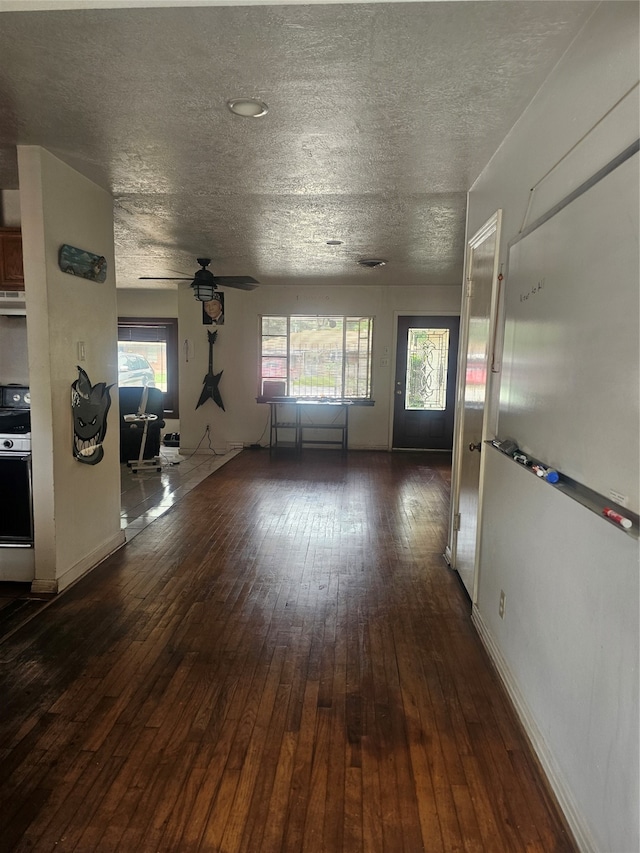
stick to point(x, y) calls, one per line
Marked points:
point(80, 568)
point(91, 560)
point(368, 446)
point(581, 833)
point(44, 586)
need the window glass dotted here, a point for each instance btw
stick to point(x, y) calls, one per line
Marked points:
point(148, 356)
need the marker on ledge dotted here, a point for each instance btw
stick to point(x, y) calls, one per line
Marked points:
point(548, 474)
point(619, 519)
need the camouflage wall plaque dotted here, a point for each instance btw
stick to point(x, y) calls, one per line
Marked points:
point(80, 262)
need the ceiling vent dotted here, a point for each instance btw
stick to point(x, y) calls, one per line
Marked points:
point(372, 263)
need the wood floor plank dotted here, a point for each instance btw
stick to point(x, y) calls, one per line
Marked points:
point(77, 809)
point(258, 809)
point(372, 797)
point(418, 716)
point(299, 799)
point(313, 832)
point(352, 832)
point(276, 826)
point(104, 833)
point(301, 676)
point(245, 763)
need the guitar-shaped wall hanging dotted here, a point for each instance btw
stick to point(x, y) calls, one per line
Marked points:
point(211, 380)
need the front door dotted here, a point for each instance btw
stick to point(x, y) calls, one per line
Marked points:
point(425, 383)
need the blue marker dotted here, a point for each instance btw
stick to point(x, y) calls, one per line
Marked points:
point(548, 474)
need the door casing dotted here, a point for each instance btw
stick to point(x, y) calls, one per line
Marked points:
point(491, 227)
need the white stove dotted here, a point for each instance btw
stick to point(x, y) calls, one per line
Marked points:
point(14, 397)
point(15, 443)
point(15, 418)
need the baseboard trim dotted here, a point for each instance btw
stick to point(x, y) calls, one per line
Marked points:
point(565, 799)
point(46, 586)
point(81, 568)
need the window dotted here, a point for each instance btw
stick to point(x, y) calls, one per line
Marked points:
point(148, 355)
point(316, 357)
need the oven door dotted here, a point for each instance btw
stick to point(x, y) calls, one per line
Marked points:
point(16, 504)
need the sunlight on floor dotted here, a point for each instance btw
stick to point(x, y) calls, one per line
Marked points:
point(147, 495)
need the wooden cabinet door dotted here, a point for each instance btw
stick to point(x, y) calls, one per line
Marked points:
point(11, 274)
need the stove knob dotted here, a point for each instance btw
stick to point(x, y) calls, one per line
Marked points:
point(27, 398)
point(7, 443)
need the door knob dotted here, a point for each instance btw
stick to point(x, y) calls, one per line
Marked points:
point(477, 447)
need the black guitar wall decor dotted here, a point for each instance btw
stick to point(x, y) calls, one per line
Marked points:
point(211, 380)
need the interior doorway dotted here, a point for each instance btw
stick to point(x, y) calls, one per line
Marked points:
point(425, 382)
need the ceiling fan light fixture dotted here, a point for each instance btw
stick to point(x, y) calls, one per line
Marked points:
point(204, 283)
point(247, 107)
point(202, 291)
point(372, 263)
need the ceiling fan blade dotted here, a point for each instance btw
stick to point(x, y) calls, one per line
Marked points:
point(205, 276)
point(240, 282)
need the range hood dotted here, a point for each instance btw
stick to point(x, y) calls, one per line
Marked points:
point(12, 302)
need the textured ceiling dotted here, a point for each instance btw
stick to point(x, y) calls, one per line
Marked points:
point(380, 117)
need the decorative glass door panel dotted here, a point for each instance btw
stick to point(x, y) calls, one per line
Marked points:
point(427, 365)
point(424, 391)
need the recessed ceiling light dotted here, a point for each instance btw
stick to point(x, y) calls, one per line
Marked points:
point(334, 242)
point(372, 263)
point(247, 107)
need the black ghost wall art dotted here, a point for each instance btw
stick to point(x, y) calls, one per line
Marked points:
point(89, 407)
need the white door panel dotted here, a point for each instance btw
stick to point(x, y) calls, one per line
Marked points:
point(471, 426)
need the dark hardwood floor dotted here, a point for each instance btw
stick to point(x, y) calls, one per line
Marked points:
point(281, 662)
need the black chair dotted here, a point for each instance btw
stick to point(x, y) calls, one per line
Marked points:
point(131, 431)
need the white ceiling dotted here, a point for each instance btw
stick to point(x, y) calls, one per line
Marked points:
point(380, 117)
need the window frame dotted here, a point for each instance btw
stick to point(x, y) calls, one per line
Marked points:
point(170, 326)
point(287, 355)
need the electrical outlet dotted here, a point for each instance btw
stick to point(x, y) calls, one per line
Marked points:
point(503, 604)
point(207, 428)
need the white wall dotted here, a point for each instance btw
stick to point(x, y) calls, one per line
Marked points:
point(10, 208)
point(76, 506)
point(147, 302)
point(236, 353)
point(14, 359)
point(568, 645)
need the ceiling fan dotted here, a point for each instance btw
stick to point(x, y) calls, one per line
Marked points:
point(204, 282)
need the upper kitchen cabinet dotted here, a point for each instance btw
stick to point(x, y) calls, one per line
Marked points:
point(11, 274)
